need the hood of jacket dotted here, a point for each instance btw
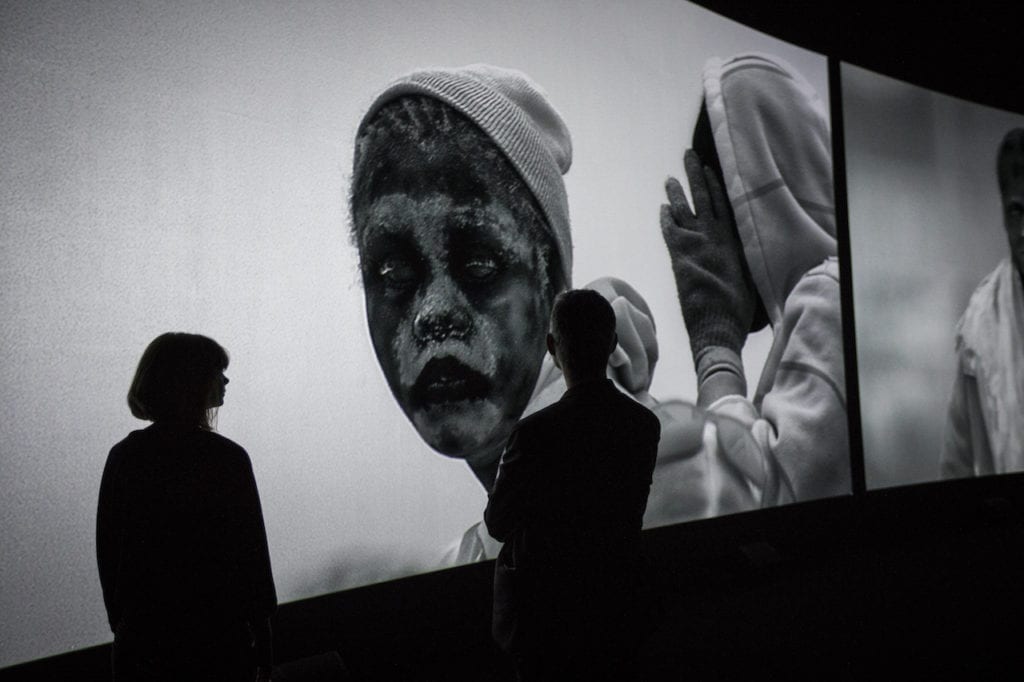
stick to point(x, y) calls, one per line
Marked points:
point(773, 142)
point(631, 364)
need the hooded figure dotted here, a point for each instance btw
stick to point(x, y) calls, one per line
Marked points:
point(460, 216)
point(761, 249)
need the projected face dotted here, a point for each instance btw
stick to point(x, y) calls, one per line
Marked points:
point(1013, 219)
point(457, 303)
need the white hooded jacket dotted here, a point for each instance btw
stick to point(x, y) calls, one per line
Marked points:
point(773, 142)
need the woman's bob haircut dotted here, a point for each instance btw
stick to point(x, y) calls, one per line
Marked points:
point(174, 379)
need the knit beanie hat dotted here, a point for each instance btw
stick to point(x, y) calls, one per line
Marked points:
point(515, 113)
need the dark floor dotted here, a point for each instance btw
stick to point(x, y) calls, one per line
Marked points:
point(917, 583)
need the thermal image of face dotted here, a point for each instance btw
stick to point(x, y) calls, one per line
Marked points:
point(458, 293)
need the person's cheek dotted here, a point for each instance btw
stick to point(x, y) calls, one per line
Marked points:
point(525, 310)
point(385, 325)
point(522, 329)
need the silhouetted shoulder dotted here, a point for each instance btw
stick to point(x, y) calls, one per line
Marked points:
point(159, 440)
point(626, 410)
point(131, 440)
point(643, 416)
point(230, 447)
point(230, 454)
point(541, 415)
point(134, 441)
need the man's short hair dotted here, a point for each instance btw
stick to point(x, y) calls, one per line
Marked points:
point(583, 324)
point(1010, 162)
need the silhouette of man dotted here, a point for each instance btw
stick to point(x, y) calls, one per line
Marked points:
point(568, 502)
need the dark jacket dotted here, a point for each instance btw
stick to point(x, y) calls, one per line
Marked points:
point(181, 544)
point(568, 503)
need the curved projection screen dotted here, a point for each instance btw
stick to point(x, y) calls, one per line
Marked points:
point(926, 227)
point(187, 166)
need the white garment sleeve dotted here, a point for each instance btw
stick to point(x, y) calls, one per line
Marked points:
point(801, 427)
point(965, 446)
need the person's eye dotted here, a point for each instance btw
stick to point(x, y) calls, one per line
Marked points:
point(1015, 208)
point(396, 272)
point(481, 268)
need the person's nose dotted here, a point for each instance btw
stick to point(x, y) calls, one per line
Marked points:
point(443, 313)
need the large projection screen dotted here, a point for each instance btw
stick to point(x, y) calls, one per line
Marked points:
point(926, 226)
point(185, 166)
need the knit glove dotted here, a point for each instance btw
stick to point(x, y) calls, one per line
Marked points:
point(717, 301)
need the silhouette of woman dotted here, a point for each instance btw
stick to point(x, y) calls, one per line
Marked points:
point(180, 540)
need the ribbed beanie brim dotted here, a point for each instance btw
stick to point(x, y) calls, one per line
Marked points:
point(516, 114)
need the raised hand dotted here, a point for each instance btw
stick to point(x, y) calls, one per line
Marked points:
point(717, 301)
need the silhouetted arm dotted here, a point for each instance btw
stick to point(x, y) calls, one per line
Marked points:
point(507, 502)
point(108, 539)
point(256, 570)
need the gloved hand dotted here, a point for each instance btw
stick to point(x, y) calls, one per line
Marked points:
point(707, 259)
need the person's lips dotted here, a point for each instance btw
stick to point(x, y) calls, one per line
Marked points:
point(446, 380)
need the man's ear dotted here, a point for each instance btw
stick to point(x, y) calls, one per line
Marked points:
point(551, 349)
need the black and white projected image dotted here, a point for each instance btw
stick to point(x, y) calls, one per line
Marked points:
point(984, 431)
point(196, 168)
point(935, 231)
point(461, 218)
point(760, 249)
